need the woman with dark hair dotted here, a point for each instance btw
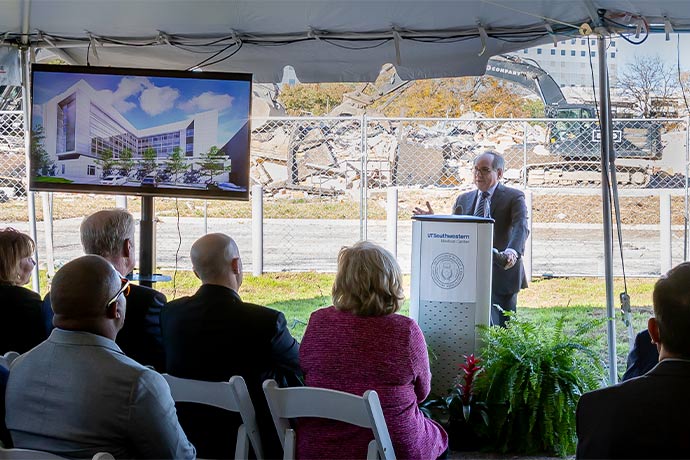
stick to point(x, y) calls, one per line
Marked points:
point(360, 344)
point(21, 321)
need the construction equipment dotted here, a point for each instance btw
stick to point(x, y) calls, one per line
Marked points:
point(576, 140)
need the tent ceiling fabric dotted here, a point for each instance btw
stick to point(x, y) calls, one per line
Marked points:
point(423, 38)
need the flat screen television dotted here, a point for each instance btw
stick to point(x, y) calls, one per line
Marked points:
point(140, 131)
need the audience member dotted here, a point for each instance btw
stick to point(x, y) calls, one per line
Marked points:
point(21, 323)
point(110, 234)
point(642, 357)
point(77, 394)
point(5, 439)
point(609, 420)
point(214, 335)
point(360, 344)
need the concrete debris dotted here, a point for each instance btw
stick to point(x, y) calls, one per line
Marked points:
point(323, 155)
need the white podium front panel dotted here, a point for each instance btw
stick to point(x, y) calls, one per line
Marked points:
point(450, 251)
point(450, 291)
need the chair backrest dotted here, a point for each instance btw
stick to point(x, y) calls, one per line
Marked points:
point(28, 454)
point(7, 358)
point(364, 411)
point(231, 396)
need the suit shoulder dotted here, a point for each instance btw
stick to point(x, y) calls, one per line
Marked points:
point(149, 293)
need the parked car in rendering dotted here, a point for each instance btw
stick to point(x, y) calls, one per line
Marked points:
point(113, 180)
point(149, 180)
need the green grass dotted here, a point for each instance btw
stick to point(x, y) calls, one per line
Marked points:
point(299, 294)
point(53, 180)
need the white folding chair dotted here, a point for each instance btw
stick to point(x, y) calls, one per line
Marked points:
point(7, 358)
point(231, 396)
point(28, 454)
point(364, 411)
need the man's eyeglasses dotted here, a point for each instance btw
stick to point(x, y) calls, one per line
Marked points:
point(124, 289)
point(482, 171)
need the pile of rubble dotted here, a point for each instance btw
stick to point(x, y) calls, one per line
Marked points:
point(323, 156)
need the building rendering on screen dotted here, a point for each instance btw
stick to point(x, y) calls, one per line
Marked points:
point(79, 126)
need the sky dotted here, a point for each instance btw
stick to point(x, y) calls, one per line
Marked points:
point(657, 44)
point(147, 101)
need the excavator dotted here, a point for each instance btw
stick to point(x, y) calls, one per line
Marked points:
point(576, 141)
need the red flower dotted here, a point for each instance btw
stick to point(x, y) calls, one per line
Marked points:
point(470, 369)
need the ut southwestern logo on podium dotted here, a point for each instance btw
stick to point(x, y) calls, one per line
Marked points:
point(447, 270)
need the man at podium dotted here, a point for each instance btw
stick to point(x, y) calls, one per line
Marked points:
point(507, 207)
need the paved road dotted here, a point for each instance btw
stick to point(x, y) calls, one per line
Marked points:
point(304, 245)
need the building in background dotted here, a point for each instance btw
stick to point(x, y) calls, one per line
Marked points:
point(574, 61)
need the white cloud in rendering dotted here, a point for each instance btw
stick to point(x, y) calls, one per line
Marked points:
point(208, 101)
point(128, 87)
point(156, 100)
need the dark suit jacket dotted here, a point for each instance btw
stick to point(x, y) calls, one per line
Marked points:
point(5, 438)
point(212, 336)
point(646, 417)
point(509, 212)
point(21, 323)
point(643, 356)
point(140, 337)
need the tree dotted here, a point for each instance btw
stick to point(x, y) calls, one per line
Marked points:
point(314, 98)
point(125, 163)
point(41, 163)
point(176, 163)
point(106, 161)
point(213, 163)
point(148, 161)
point(647, 80)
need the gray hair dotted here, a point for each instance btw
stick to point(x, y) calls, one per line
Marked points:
point(104, 232)
point(498, 161)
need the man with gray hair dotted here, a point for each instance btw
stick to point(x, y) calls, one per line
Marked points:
point(110, 234)
point(506, 205)
point(77, 394)
point(214, 335)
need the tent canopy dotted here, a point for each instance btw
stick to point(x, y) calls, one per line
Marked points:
point(324, 40)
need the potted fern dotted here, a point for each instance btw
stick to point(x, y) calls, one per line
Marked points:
point(534, 375)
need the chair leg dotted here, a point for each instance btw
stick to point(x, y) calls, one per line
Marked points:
point(373, 451)
point(289, 447)
point(242, 446)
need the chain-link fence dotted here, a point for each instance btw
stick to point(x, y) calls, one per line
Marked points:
point(327, 180)
point(13, 162)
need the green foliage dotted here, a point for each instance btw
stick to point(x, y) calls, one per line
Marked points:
point(106, 161)
point(213, 163)
point(40, 160)
point(148, 161)
point(533, 378)
point(125, 163)
point(177, 164)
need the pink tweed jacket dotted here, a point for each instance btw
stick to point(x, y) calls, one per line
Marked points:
point(388, 354)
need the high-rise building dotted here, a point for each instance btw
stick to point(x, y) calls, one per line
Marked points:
point(574, 61)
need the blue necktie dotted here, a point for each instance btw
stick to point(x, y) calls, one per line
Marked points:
point(481, 212)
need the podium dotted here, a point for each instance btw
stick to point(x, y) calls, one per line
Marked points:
point(450, 291)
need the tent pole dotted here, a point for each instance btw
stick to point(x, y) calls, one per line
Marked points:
point(30, 198)
point(606, 147)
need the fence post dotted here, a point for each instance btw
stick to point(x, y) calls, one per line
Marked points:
point(666, 258)
point(392, 220)
point(121, 201)
point(205, 217)
point(363, 183)
point(527, 256)
point(257, 230)
point(46, 197)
